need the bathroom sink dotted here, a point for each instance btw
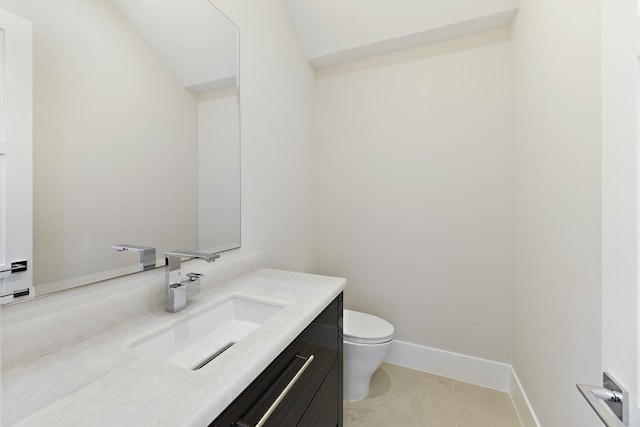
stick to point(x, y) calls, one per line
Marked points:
point(196, 340)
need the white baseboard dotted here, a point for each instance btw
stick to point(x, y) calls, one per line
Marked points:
point(469, 369)
point(521, 402)
point(482, 372)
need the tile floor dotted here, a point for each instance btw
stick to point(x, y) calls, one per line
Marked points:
point(402, 397)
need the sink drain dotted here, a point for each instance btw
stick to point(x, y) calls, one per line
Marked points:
point(213, 356)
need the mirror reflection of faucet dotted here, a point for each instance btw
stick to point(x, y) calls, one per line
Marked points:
point(178, 291)
point(147, 254)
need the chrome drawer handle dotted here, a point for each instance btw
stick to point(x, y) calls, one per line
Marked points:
point(281, 396)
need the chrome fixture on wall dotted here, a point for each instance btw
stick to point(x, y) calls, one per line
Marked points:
point(147, 254)
point(610, 402)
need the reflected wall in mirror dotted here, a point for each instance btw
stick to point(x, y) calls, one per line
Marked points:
point(136, 133)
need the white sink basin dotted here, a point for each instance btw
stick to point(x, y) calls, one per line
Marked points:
point(200, 338)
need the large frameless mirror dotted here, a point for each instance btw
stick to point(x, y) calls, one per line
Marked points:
point(136, 135)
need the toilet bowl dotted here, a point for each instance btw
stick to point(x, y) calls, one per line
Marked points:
point(366, 340)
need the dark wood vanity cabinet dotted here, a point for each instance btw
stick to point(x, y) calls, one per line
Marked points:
point(314, 397)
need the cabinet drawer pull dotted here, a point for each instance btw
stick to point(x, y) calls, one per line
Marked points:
point(281, 396)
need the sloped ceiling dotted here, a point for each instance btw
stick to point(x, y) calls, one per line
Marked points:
point(335, 31)
point(197, 42)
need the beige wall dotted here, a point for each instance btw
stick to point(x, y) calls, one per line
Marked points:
point(556, 305)
point(414, 195)
point(277, 135)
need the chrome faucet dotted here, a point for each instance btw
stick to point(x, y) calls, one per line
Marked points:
point(147, 254)
point(178, 291)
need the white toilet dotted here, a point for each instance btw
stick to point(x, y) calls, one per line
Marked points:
point(367, 340)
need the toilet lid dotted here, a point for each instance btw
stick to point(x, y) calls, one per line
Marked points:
point(365, 328)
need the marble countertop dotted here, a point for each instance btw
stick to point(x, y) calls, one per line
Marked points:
point(101, 381)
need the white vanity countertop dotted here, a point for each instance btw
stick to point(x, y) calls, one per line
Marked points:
point(100, 381)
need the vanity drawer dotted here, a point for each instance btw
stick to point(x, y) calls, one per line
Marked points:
point(299, 397)
point(322, 409)
point(317, 352)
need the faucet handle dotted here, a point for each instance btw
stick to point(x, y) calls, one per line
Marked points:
point(194, 276)
point(193, 284)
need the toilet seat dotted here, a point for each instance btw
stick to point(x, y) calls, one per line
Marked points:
point(365, 328)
